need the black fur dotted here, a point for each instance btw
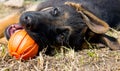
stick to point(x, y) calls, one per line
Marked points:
point(62, 25)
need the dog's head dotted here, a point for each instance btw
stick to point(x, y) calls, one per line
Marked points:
point(58, 23)
point(65, 24)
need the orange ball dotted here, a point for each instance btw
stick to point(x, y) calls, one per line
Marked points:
point(21, 45)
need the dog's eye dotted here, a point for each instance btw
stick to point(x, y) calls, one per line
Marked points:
point(55, 12)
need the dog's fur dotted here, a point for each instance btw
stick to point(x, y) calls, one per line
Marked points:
point(56, 23)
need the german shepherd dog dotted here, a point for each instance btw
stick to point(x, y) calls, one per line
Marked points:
point(71, 22)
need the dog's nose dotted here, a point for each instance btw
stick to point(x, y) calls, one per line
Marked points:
point(26, 20)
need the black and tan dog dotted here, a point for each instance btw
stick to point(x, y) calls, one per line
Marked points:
point(70, 22)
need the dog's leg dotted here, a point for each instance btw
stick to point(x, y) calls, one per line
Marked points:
point(5, 22)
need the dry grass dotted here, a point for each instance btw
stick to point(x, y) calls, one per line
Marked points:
point(84, 60)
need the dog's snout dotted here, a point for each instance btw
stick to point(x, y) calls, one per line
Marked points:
point(27, 20)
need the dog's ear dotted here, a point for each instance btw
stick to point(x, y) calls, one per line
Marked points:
point(94, 23)
point(111, 42)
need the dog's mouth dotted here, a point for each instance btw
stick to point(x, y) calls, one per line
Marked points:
point(12, 29)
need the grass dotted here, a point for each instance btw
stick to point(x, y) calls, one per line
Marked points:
point(84, 60)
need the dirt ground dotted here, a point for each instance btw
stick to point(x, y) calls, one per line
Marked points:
point(84, 60)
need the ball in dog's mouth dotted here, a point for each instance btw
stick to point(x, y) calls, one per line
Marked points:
point(12, 29)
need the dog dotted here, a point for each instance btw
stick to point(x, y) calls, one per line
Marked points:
point(71, 23)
